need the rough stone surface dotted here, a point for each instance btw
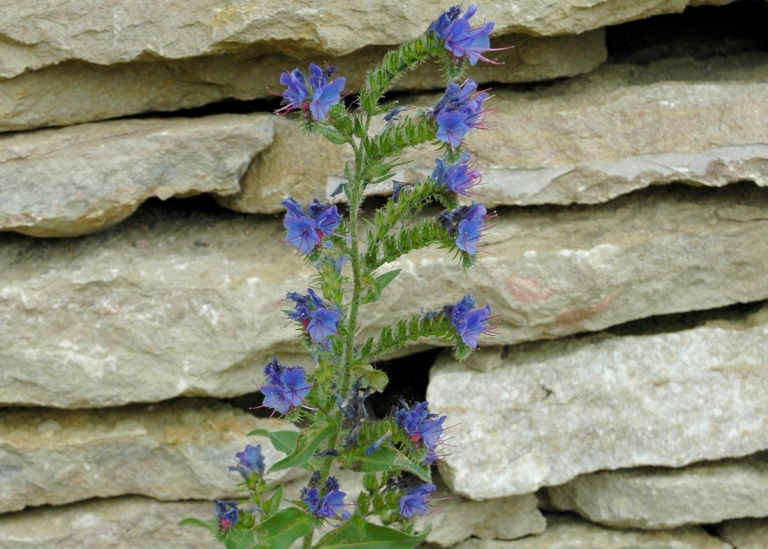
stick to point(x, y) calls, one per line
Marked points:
point(117, 32)
point(171, 303)
point(173, 451)
point(119, 523)
point(507, 518)
point(76, 91)
point(566, 532)
point(587, 140)
point(654, 498)
point(574, 406)
point(78, 180)
point(745, 533)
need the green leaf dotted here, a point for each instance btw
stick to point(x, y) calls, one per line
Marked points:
point(239, 539)
point(370, 376)
point(273, 503)
point(282, 529)
point(283, 441)
point(334, 136)
point(306, 444)
point(208, 525)
point(386, 458)
point(384, 280)
point(356, 533)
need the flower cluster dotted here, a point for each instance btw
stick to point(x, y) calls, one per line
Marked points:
point(319, 320)
point(314, 94)
point(330, 504)
point(251, 460)
point(463, 41)
point(285, 388)
point(465, 224)
point(414, 503)
point(227, 514)
point(458, 177)
point(468, 321)
point(421, 426)
point(306, 229)
point(459, 111)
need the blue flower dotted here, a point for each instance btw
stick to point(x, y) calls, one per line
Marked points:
point(319, 320)
point(414, 503)
point(465, 224)
point(251, 461)
point(459, 111)
point(469, 323)
point(307, 228)
point(330, 505)
point(458, 177)
point(421, 425)
point(460, 38)
point(300, 89)
point(285, 388)
point(227, 513)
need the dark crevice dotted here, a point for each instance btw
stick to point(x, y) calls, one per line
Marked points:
point(408, 380)
point(677, 322)
point(700, 32)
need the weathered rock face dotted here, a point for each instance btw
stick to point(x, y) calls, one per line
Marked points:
point(171, 304)
point(117, 32)
point(744, 534)
point(169, 452)
point(78, 180)
point(569, 407)
point(587, 140)
point(120, 523)
point(506, 518)
point(655, 498)
point(566, 532)
point(77, 91)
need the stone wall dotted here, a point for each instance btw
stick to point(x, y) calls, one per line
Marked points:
point(624, 402)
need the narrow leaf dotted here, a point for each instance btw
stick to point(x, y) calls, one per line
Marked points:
point(208, 525)
point(386, 278)
point(283, 441)
point(350, 536)
point(239, 539)
point(305, 447)
point(282, 529)
point(386, 458)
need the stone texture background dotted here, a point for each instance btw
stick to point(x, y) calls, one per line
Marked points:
point(623, 403)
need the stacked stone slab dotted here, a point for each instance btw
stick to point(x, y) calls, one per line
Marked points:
point(623, 193)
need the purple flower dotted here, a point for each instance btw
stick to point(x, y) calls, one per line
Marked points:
point(330, 505)
point(465, 224)
point(285, 388)
point(227, 513)
point(307, 228)
point(251, 461)
point(458, 177)
point(469, 323)
point(459, 111)
point(300, 89)
point(460, 38)
point(421, 425)
point(414, 503)
point(319, 320)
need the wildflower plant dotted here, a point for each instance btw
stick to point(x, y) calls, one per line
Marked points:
point(354, 259)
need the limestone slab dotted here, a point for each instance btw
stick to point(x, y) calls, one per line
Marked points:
point(172, 303)
point(566, 532)
point(120, 31)
point(173, 451)
point(744, 533)
point(77, 91)
point(115, 523)
point(658, 498)
point(555, 410)
point(587, 140)
point(457, 519)
point(77, 180)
